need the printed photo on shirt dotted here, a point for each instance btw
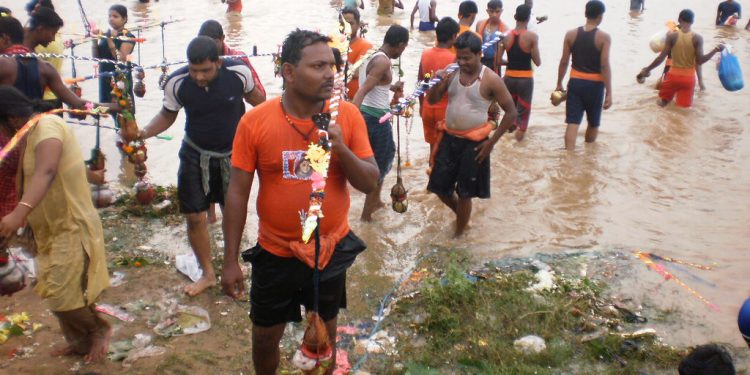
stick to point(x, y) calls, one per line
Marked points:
point(296, 166)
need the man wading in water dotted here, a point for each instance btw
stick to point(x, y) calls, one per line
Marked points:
point(590, 84)
point(211, 90)
point(461, 168)
point(373, 100)
point(686, 49)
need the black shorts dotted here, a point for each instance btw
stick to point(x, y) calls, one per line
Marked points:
point(456, 170)
point(584, 96)
point(279, 286)
point(190, 183)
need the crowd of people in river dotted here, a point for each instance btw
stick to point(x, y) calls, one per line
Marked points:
point(488, 94)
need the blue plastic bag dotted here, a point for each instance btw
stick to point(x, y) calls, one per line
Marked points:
point(730, 73)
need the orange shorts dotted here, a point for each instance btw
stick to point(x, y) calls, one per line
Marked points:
point(430, 118)
point(680, 86)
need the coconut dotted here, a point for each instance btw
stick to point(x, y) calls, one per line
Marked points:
point(139, 89)
point(144, 192)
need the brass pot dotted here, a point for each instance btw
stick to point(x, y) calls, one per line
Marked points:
point(140, 170)
point(128, 129)
point(558, 97)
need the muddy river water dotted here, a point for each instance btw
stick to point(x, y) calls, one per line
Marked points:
point(672, 181)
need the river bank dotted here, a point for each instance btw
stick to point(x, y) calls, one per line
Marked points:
point(442, 311)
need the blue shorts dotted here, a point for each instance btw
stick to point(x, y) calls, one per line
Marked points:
point(381, 140)
point(426, 26)
point(584, 96)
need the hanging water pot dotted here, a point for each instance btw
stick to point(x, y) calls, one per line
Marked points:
point(138, 157)
point(97, 161)
point(139, 89)
point(398, 197)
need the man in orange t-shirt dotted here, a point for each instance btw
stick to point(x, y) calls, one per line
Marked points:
point(357, 47)
point(271, 141)
point(434, 59)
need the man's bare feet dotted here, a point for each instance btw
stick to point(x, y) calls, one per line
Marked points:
point(368, 211)
point(199, 286)
point(99, 343)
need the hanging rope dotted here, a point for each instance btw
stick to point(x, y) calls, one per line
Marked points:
point(84, 19)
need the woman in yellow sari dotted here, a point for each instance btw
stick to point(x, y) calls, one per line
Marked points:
point(55, 200)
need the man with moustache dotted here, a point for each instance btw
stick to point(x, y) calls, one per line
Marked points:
point(271, 140)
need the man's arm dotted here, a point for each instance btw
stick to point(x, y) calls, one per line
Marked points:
point(564, 60)
point(606, 70)
point(700, 58)
point(433, 11)
point(378, 67)
point(413, 12)
point(362, 174)
point(536, 57)
point(499, 93)
point(436, 92)
point(362, 4)
point(398, 4)
point(255, 97)
point(235, 214)
point(161, 122)
point(699, 73)
point(54, 82)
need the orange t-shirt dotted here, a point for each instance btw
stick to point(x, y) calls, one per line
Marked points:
point(434, 59)
point(356, 50)
point(267, 144)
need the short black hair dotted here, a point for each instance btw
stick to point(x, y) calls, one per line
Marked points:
point(495, 4)
point(707, 359)
point(594, 8)
point(202, 48)
point(337, 58)
point(46, 17)
point(523, 13)
point(469, 40)
point(446, 29)
point(396, 35)
point(120, 9)
point(12, 28)
point(353, 11)
point(686, 15)
point(211, 29)
point(467, 8)
point(38, 3)
point(5, 10)
point(296, 41)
